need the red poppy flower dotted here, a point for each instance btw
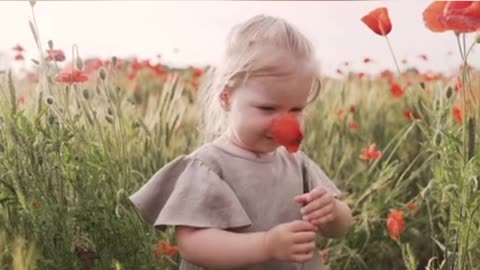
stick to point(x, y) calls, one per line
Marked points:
point(353, 108)
point(197, 72)
point(367, 60)
point(56, 55)
point(410, 115)
point(135, 64)
point(18, 48)
point(286, 131)
point(430, 76)
point(396, 224)
point(21, 99)
point(325, 255)
point(19, 57)
point(458, 85)
point(353, 125)
point(73, 76)
point(457, 114)
point(91, 65)
point(378, 21)
point(371, 153)
point(396, 90)
point(33, 77)
point(159, 69)
point(424, 57)
point(164, 248)
point(412, 206)
point(387, 74)
point(132, 75)
point(458, 16)
point(431, 16)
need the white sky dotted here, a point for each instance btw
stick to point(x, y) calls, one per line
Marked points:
point(198, 28)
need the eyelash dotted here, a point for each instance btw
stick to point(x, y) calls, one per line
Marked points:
point(297, 110)
point(269, 109)
point(264, 108)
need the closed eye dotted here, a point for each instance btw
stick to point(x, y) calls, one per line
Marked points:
point(266, 108)
point(296, 110)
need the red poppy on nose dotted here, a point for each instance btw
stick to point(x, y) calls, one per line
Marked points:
point(286, 131)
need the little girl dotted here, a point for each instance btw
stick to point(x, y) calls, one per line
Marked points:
point(247, 198)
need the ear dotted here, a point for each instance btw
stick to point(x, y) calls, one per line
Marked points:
point(225, 99)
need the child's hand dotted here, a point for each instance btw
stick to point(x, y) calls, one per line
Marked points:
point(294, 241)
point(319, 206)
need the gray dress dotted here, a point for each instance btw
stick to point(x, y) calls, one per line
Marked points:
point(214, 188)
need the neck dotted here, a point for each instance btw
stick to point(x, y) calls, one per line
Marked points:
point(231, 143)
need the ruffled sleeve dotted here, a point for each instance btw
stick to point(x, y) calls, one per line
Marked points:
point(187, 192)
point(317, 177)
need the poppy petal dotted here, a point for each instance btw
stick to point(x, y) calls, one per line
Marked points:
point(432, 14)
point(378, 21)
point(286, 131)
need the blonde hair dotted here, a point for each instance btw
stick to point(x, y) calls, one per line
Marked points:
point(242, 59)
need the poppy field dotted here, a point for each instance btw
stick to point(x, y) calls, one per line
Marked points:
point(78, 136)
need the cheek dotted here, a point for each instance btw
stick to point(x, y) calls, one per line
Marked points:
point(301, 121)
point(251, 123)
point(255, 123)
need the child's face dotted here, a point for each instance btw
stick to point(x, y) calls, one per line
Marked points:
point(262, 98)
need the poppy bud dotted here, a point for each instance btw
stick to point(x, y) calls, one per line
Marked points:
point(86, 94)
point(79, 63)
point(51, 119)
point(102, 74)
point(422, 84)
point(136, 124)
point(477, 37)
point(114, 61)
point(109, 119)
point(50, 44)
point(50, 100)
point(449, 92)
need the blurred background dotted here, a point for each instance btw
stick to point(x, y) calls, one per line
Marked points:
point(183, 33)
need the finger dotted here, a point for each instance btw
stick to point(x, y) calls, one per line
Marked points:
point(316, 193)
point(304, 237)
point(310, 196)
point(300, 199)
point(317, 203)
point(303, 248)
point(323, 220)
point(320, 212)
point(300, 258)
point(300, 226)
